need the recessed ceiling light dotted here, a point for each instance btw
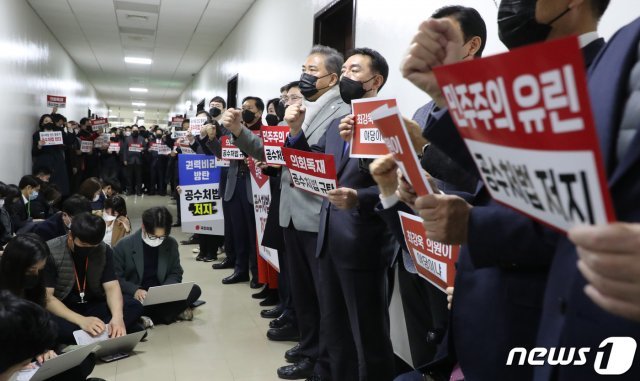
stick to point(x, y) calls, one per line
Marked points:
point(138, 112)
point(138, 89)
point(137, 17)
point(138, 60)
point(139, 104)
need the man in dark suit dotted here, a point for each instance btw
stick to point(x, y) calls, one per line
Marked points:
point(20, 210)
point(507, 250)
point(58, 224)
point(354, 246)
point(587, 304)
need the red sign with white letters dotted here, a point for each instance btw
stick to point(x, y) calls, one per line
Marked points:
point(526, 119)
point(435, 261)
point(389, 122)
point(273, 138)
point(56, 101)
point(310, 171)
point(366, 141)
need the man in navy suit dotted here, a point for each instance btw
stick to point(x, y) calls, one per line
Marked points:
point(503, 251)
point(354, 245)
point(599, 298)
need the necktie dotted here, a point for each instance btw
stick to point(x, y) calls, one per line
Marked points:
point(631, 115)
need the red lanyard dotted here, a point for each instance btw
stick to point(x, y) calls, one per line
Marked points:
point(84, 286)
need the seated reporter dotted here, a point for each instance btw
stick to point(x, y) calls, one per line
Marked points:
point(58, 224)
point(150, 258)
point(21, 268)
point(25, 329)
point(82, 288)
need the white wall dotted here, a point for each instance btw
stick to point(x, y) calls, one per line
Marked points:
point(32, 65)
point(270, 44)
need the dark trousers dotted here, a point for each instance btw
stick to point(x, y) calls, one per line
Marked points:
point(132, 310)
point(134, 175)
point(243, 229)
point(229, 249)
point(355, 321)
point(209, 244)
point(167, 313)
point(425, 310)
point(158, 182)
point(284, 288)
point(304, 278)
point(78, 373)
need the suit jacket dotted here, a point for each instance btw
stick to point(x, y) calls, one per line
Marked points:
point(569, 317)
point(232, 172)
point(19, 216)
point(502, 271)
point(355, 238)
point(132, 157)
point(297, 206)
point(52, 228)
point(128, 256)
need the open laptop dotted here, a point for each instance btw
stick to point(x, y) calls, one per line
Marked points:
point(169, 293)
point(56, 365)
point(119, 347)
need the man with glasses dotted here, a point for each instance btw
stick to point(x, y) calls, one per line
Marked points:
point(150, 258)
point(81, 284)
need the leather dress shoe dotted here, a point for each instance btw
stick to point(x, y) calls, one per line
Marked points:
point(262, 294)
point(255, 284)
point(193, 240)
point(297, 371)
point(225, 264)
point(271, 300)
point(236, 278)
point(280, 321)
point(271, 313)
point(293, 355)
point(288, 332)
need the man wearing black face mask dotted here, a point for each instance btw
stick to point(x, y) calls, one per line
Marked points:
point(299, 210)
point(132, 151)
point(356, 247)
point(82, 288)
point(510, 238)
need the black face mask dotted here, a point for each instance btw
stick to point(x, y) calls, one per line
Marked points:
point(272, 120)
point(31, 281)
point(82, 252)
point(215, 112)
point(113, 139)
point(517, 25)
point(280, 110)
point(350, 89)
point(308, 84)
point(135, 134)
point(159, 136)
point(248, 116)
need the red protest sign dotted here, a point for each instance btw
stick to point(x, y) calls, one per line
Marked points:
point(99, 123)
point(394, 133)
point(366, 141)
point(229, 151)
point(526, 119)
point(435, 261)
point(310, 171)
point(56, 101)
point(273, 138)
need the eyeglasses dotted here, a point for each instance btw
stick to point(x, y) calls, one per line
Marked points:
point(293, 98)
point(154, 237)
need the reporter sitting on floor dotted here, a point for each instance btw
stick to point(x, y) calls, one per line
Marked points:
point(58, 224)
point(82, 287)
point(150, 258)
point(115, 216)
point(25, 328)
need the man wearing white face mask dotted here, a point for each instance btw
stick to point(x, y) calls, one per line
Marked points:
point(150, 258)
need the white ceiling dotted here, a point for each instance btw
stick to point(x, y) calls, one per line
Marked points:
point(179, 35)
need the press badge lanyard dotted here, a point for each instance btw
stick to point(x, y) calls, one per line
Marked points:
point(84, 286)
